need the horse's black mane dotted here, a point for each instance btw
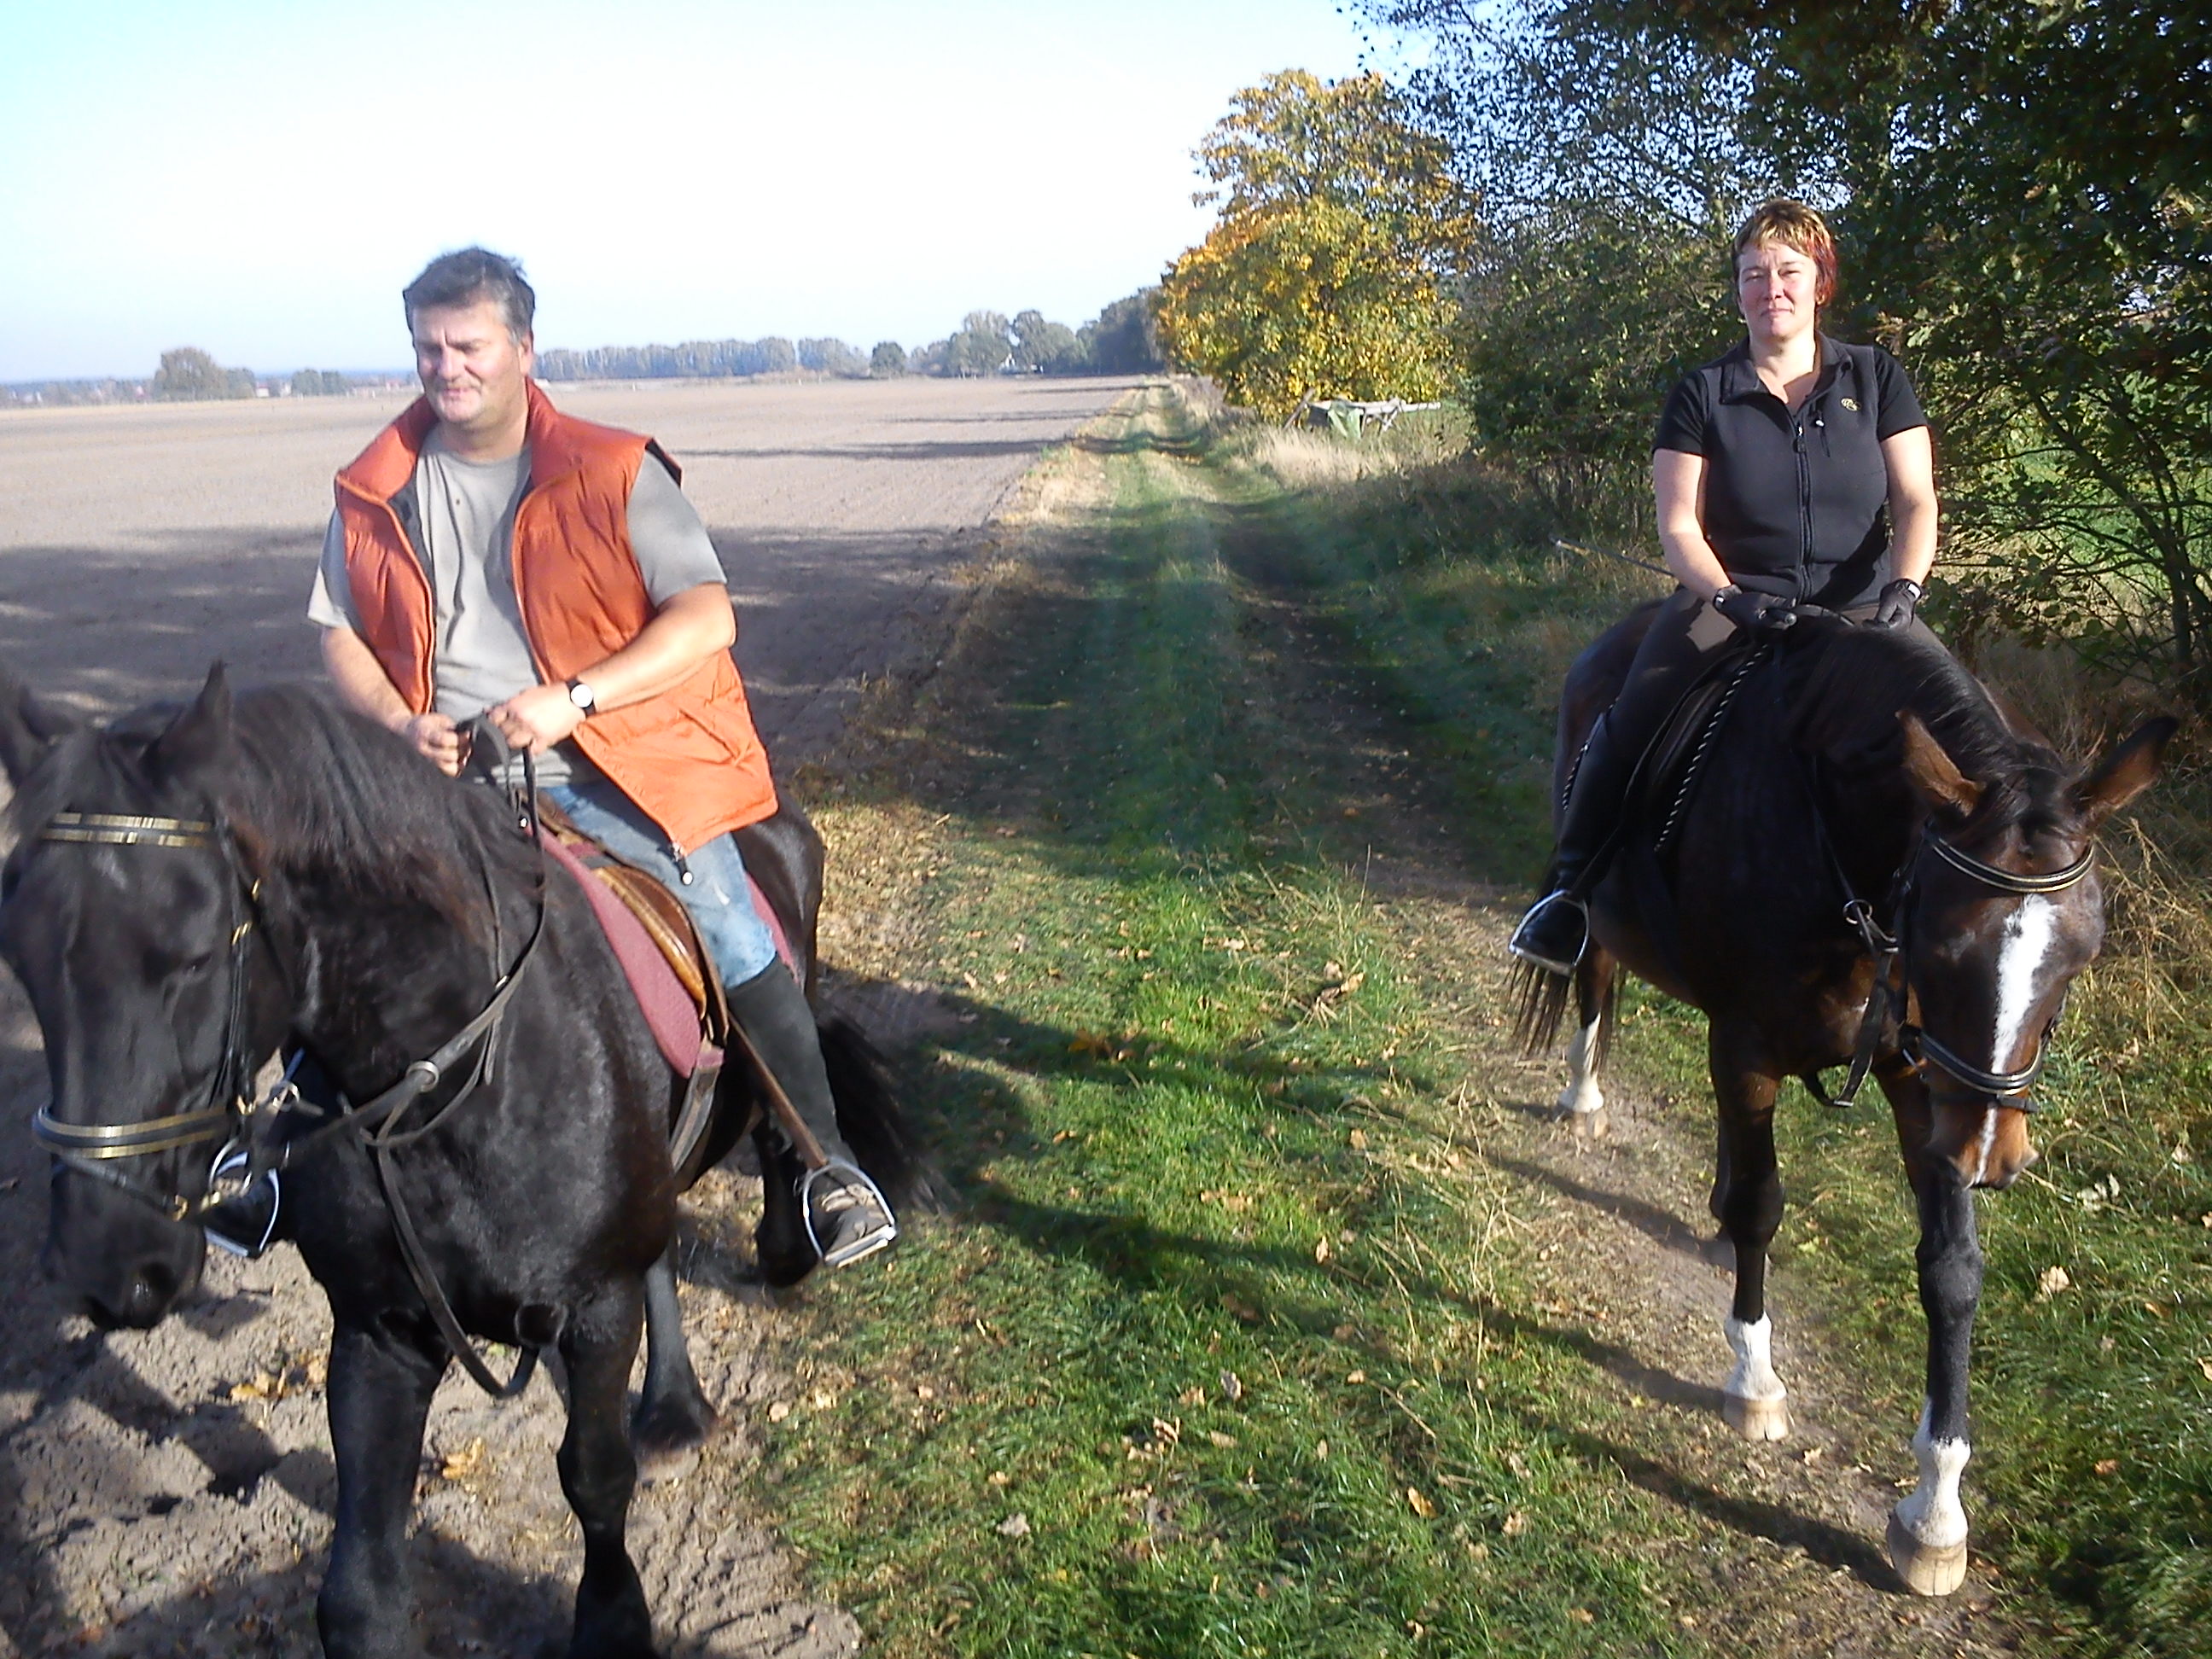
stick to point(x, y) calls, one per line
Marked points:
point(321, 794)
point(1847, 693)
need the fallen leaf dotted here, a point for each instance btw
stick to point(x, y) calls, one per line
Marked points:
point(466, 1463)
point(1321, 1450)
point(778, 1410)
point(1357, 1140)
point(1232, 1387)
point(1241, 1310)
point(1226, 1442)
point(1514, 1524)
point(1321, 1251)
point(1582, 1615)
point(2054, 1281)
point(1192, 1396)
point(999, 1477)
point(1356, 1376)
point(2205, 1365)
point(1416, 1501)
point(2108, 1465)
point(1014, 1526)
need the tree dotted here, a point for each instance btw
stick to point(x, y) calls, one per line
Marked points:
point(827, 356)
point(189, 374)
point(982, 346)
point(1340, 223)
point(887, 360)
point(1045, 347)
point(1124, 338)
point(320, 383)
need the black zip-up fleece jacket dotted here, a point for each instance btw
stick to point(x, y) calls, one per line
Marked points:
point(1796, 504)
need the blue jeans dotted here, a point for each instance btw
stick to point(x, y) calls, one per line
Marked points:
point(718, 895)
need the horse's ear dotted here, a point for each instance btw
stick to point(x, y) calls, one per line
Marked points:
point(27, 727)
point(2131, 768)
point(198, 738)
point(1935, 777)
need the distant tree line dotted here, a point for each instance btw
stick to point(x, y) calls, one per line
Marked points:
point(53, 393)
point(1123, 339)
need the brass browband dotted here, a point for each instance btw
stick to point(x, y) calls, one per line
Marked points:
point(124, 829)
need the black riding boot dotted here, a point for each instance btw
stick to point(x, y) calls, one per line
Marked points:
point(846, 1213)
point(1556, 931)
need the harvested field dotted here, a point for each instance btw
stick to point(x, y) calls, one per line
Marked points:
point(170, 1492)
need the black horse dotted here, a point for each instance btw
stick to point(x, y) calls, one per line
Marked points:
point(1879, 867)
point(194, 891)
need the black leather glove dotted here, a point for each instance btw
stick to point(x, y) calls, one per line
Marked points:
point(1758, 613)
point(1895, 607)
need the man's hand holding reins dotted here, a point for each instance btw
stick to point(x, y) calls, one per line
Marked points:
point(536, 718)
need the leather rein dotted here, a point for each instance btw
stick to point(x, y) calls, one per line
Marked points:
point(1890, 947)
point(254, 1144)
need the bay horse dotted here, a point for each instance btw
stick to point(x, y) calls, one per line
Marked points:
point(1879, 867)
point(193, 892)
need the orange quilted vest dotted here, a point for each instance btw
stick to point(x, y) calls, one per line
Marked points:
point(689, 756)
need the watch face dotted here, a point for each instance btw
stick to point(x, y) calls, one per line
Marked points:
point(580, 695)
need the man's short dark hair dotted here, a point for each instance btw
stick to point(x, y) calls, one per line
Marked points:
point(468, 276)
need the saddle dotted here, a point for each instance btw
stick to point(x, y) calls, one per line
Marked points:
point(666, 962)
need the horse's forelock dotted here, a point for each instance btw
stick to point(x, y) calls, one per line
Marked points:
point(319, 793)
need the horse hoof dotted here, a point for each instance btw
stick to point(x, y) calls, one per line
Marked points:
point(666, 1441)
point(1757, 1419)
point(1926, 1570)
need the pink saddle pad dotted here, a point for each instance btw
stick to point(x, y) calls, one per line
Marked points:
point(667, 1005)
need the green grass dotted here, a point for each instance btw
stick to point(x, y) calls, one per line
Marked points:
point(1216, 1351)
point(1241, 1370)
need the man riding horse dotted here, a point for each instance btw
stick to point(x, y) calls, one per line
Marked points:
point(491, 557)
point(1794, 469)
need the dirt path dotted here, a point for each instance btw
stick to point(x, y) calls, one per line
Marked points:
point(170, 1493)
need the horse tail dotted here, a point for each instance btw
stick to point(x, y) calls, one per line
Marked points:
point(868, 1114)
point(1542, 997)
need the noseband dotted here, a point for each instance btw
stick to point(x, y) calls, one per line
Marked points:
point(1891, 949)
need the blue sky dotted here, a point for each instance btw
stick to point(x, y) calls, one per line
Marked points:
point(261, 180)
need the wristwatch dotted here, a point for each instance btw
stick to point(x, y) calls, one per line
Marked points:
point(583, 696)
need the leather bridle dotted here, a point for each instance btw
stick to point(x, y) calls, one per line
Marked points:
point(1890, 948)
point(87, 1149)
point(253, 1133)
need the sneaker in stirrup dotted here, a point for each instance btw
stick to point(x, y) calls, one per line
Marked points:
point(847, 1218)
point(1553, 934)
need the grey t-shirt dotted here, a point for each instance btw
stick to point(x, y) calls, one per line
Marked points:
point(466, 511)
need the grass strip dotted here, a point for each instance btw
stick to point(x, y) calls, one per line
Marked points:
point(1215, 1355)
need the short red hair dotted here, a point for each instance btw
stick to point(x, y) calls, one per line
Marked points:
point(1791, 224)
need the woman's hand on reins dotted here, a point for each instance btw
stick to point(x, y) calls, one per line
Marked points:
point(1756, 613)
point(1895, 607)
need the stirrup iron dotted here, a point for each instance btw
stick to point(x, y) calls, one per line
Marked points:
point(847, 1175)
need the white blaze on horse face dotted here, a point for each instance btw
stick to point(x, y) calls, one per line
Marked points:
point(2028, 935)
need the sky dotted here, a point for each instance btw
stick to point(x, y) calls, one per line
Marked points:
point(261, 180)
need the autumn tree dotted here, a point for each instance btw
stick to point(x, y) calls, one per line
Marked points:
point(1341, 225)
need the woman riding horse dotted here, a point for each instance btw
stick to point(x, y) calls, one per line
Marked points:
point(1796, 469)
